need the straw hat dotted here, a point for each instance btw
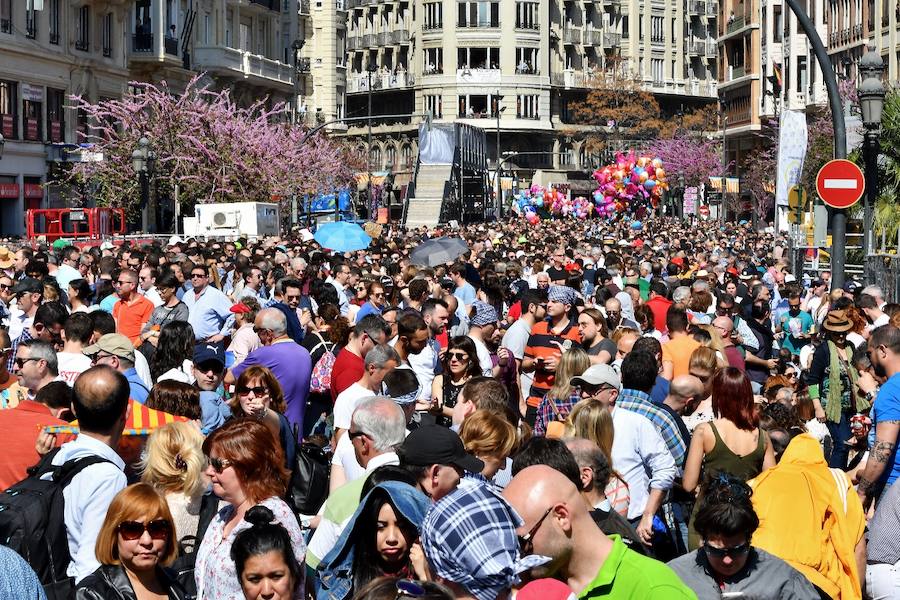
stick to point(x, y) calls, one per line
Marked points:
point(837, 321)
point(6, 258)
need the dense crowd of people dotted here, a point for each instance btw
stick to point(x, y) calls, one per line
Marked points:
point(585, 410)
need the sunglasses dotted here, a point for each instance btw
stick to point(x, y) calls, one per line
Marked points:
point(20, 362)
point(526, 542)
point(258, 391)
point(460, 356)
point(725, 311)
point(120, 282)
point(198, 275)
point(406, 588)
point(355, 434)
point(218, 464)
point(720, 553)
point(4, 286)
point(159, 529)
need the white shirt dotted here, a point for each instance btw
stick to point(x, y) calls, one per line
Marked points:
point(143, 368)
point(87, 498)
point(18, 322)
point(424, 365)
point(345, 457)
point(65, 275)
point(484, 358)
point(71, 365)
point(346, 403)
point(343, 301)
point(184, 374)
point(152, 295)
point(641, 457)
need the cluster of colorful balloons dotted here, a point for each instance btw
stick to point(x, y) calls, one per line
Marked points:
point(538, 202)
point(629, 184)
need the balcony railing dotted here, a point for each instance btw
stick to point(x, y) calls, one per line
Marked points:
point(694, 8)
point(736, 73)
point(592, 37)
point(359, 82)
point(353, 43)
point(270, 4)
point(242, 64)
point(712, 9)
point(694, 47)
point(711, 50)
point(142, 42)
point(304, 6)
point(400, 36)
point(383, 38)
point(611, 39)
point(472, 75)
point(171, 46)
point(368, 40)
point(570, 78)
point(736, 23)
point(571, 35)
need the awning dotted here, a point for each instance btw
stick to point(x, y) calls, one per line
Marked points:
point(378, 177)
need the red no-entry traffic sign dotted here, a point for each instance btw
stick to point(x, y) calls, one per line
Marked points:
point(840, 183)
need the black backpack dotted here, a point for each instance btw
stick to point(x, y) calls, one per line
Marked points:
point(310, 473)
point(32, 521)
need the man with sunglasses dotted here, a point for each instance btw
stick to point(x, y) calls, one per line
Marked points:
point(558, 525)
point(47, 326)
point(28, 293)
point(209, 308)
point(6, 298)
point(116, 351)
point(133, 310)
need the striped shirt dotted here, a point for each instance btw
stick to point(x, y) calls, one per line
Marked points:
point(640, 403)
point(544, 344)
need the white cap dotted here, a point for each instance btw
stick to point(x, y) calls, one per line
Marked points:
point(600, 374)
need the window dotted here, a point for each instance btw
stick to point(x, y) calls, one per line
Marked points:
point(656, 30)
point(656, 67)
point(56, 114)
point(527, 61)
point(8, 117)
point(777, 26)
point(527, 107)
point(33, 113)
point(391, 156)
point(625, 32)
point(434, 104)
point(53, 13)
point(107, 34)
point(83, 28)
point(801, 74)
point(434, 61)
point(641, 27)
point(406, 155)
point(30, 20)
point(6, 16)
point(207, 29)
point(478, 13)
point(527, 15)
point(434, 15)
point(375, 158)
point(478, 58)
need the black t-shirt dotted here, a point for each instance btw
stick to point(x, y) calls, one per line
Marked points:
point(557, 274)
point(611, 522)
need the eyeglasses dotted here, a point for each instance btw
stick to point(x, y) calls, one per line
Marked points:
point(5, 286)
point(460, 356)
point(725, 311)
point(159, 529)
point(526, 542)
point(590, 391)
point(20, 362)
point(258, 330)
point(738, 550)
point(99, 356)
point(259, 390)
point(355, 434)
point(792, 375)
point(379, 295)
point(120, 282)
point(218, 464)
point(198, 275)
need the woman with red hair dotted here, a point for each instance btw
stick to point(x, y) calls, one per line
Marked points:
point(732, 442)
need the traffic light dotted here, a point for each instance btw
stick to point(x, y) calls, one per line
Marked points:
point(796, 203)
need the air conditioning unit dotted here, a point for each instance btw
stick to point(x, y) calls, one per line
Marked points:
point(224, 220)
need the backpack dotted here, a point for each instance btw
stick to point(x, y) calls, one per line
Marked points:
point(310, 474)
point(32, 521)
point(320, 379)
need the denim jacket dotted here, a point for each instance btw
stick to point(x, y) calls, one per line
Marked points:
point(335, 581)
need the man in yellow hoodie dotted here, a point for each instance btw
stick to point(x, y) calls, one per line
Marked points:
point(810, 516)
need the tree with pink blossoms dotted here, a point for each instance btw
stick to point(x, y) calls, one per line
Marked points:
point(695, 159)
point(215, 150)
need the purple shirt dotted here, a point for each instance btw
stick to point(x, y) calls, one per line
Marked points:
point(292, 366)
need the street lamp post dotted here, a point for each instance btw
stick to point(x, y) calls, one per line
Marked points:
point(498, 109)
point(723, 107)
point(297, 46)
point(871, 102)
point(370, 69)
point(143, 161)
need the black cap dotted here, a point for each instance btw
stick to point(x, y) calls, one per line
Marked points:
point(437, 445)
point(749, 273)
point(28, 285)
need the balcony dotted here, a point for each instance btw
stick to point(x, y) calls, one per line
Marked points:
point(304, 65)
point(469, 75)
point(694, 47)
point(571, 35)
point(400, 36)
point(712, 9)
point(304, 7)
point(383, 38)
point(359, 82)
point(142, 42)
point(241, 65)
point(171, 45)
point(368, 40)
point(351, 4)
point(570, 79)
point(354, 43)
point(694, 8)
point(736, 73)
point(270, 4)
point(735, 24)
point(592, 37)
point(611, 39)
point(711, 50)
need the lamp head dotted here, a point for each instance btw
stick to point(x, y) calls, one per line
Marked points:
point(871, 101)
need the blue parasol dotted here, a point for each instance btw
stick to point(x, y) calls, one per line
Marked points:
point(342, 237)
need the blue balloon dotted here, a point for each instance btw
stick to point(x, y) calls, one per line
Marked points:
point(539, 201)
point(649, 184)
point(636, 225)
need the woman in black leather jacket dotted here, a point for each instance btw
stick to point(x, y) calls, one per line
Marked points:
point(134, 546)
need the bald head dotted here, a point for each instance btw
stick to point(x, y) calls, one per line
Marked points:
point(101, 398)
point(724, 325)
point(536, 488)
point(682, 390)
point(273, 320)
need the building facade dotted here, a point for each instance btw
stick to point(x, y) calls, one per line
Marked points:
point(53, 49)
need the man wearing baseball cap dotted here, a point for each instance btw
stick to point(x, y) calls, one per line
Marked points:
point(209, 371)
point(117, 351)
point(437, 459)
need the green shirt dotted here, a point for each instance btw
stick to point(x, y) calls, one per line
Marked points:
point(626, 575)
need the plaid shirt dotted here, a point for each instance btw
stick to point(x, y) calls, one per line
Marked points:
point(26, 335)
point(640, 403)
point(469, 537)
point(546, 413)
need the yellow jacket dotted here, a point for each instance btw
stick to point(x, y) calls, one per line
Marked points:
point(810, 516)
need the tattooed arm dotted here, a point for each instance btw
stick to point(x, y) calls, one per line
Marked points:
point(881, 458)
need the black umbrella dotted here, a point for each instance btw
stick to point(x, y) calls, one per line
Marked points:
point(439, 251)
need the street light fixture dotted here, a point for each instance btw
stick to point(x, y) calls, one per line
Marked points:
point(871, 103)
point(143, 161)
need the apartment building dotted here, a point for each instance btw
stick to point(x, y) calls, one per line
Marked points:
point(52, 49)
point(514, 68)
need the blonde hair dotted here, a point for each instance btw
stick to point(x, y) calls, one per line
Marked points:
point(715, 342)
point(572, 363)
point(704, 358)
point(590, 420)
point(174, 459)
point(137, 501)
point(486, 432)
point(621, 332)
